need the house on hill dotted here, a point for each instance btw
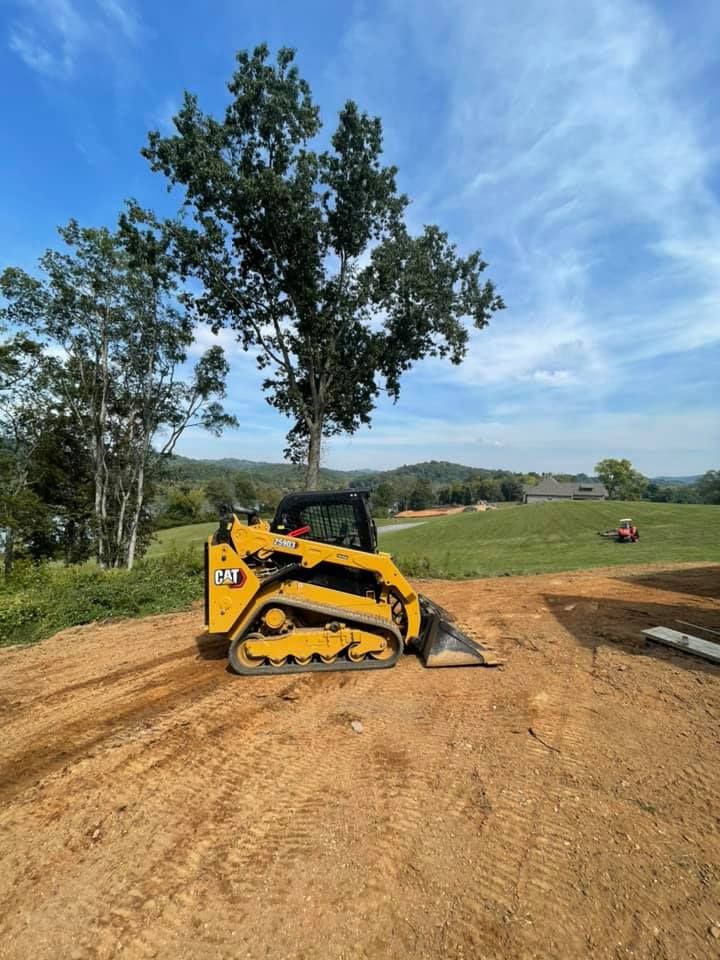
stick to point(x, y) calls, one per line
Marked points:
point(551, 489)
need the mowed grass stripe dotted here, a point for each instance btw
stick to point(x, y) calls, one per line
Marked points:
point(536, 538)
point(547, 537)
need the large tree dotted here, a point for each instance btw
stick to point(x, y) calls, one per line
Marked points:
point(109, 304)
point(21, 391)
point(622, 480)
point(306, 253)
point(708, 487)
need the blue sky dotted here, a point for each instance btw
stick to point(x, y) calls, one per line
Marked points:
point(577, 144)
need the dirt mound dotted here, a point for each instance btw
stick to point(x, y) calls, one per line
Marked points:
point(564, 806)
point(430, 512)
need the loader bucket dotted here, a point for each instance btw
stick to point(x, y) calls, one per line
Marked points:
point(442, 644)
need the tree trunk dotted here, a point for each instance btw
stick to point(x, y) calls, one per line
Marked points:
point(135, 522)
point(120, 538)
point(312, 474)
point(99, 525)
point(9, 551)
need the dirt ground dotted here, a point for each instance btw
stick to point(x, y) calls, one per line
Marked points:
point(566, 805)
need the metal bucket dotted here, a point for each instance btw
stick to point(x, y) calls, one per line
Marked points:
point(442, 644)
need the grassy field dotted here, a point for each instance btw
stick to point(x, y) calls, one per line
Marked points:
point(181, 538)
point(556, 536)
point(530, 539)
point(195, 534)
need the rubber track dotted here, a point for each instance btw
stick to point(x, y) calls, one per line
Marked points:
point(337, 613)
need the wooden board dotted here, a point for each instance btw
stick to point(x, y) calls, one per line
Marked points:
point(706, 649)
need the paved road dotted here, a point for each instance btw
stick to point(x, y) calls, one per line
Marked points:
point(394, 527)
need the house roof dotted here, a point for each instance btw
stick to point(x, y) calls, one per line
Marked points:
point(549, 487)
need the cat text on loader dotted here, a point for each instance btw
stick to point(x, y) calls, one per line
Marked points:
point(310, 591)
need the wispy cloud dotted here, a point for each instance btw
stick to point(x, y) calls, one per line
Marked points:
point(541, 443)
point(574, 145)
point(123, 17)
point(51, 36)
point(162, 117)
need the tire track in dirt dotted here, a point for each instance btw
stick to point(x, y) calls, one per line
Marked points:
point(425, 792)
point(56, 748)
point(524, 857)
point(247, 818)
point(241, 829)
point(205, 783)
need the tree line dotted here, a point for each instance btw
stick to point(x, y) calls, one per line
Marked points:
point(624, 482)
point(95, 391)
point(412, 487)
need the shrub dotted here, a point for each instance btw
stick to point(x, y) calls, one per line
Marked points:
point(40, 599)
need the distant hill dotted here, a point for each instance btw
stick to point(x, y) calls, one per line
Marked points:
point(284, 475)
point(288, 476)
point(675, 481)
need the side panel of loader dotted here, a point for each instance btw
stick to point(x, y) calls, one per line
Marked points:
point(261, 595)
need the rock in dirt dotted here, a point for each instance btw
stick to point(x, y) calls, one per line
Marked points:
point(357, 726)
point(715, 931)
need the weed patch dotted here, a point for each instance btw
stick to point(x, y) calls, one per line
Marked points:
point(39, 600)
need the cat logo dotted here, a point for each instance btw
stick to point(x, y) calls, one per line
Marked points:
point(230, 577)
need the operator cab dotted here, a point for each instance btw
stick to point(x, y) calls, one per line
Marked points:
point(341, 519)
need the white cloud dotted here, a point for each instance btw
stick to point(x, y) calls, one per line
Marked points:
point(554, 378)
point(225, 338)
point(162, 117)
point(24, 42)
point(123, 17)
point(50, 36)
point(679, 443)
point(577, 161)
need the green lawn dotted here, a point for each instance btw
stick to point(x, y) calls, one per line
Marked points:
point(180, 538)
point(529, 539)
point(555, 536)
point(195, 534)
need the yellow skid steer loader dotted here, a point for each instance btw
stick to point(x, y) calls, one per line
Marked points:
point(310, 591)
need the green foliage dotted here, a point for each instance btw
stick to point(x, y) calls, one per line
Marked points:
point(555, 536)
point(511, 489)
point(708, 487)
point(297, 250)
point(622, 481)
point(22, 389)
point(220, 492)
point(178, 539)
point(111, 302)
point(184, 505)
point(40, 599)
point(244, 490)
point(421, 496)
point(382, 499)
point(61, 476)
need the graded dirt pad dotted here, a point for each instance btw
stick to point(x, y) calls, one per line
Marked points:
point(566, 805)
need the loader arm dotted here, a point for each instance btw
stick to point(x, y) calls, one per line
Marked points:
point(290, 603)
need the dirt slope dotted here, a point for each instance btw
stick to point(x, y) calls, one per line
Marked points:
point(155, 806)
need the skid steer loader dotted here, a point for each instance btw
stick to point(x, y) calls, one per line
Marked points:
point(311, 592)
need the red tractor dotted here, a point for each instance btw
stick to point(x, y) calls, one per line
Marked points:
point(627, 532)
